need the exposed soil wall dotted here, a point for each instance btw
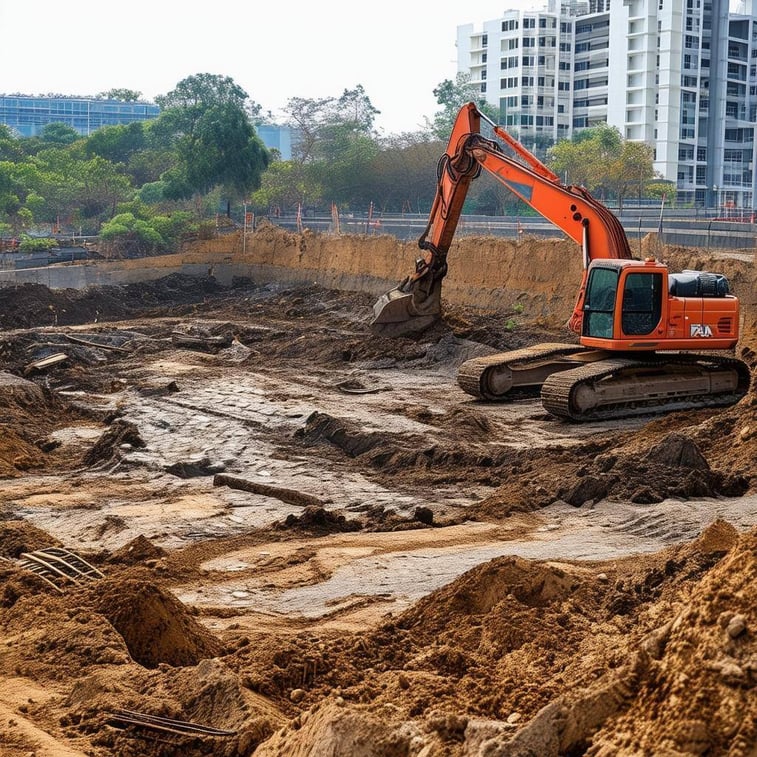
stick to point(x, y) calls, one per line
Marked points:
point(540, 275)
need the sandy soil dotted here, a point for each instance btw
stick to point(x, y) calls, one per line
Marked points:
point(312, 541)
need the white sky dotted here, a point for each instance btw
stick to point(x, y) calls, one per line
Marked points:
point(399, 50)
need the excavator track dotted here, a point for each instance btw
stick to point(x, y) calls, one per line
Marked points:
point(516, 374)
point(627, 386)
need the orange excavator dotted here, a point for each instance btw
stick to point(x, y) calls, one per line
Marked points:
point(645, 335)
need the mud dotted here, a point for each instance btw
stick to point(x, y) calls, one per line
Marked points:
point(315, 542)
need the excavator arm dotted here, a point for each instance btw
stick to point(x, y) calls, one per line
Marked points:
point(415, 303)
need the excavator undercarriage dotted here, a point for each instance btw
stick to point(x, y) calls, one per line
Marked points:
point(580, 384)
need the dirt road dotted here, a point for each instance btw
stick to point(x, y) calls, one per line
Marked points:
point(314, 542)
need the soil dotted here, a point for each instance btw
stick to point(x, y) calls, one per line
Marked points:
point(309, 541)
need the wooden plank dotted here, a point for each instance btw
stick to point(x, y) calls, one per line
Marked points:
point(46, 362)
point(290, 496)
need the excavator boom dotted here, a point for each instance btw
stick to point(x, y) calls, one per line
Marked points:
point(415, 303)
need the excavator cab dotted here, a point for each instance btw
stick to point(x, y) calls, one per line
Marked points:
point(623, 301)
point(635, 305)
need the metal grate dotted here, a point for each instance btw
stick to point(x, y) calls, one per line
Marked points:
point(59, 567)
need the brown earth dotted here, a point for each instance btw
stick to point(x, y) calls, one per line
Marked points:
point(290, 612)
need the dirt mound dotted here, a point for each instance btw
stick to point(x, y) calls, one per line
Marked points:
point(56, 636)
point(26, 413)
point(316, 519)
point(107, 448)
point(729, 439)
point(333, 729)
point(644, 470)
point(137, 552)
point(156, 627)
point(707, 648)
point(29, 305)
point(517, 657)
point(673, 467)
point(17, 536)
point(411, 458)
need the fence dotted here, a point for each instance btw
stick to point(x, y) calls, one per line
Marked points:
point(688, 230)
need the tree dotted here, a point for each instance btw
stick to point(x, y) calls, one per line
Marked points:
point(117, 143)
point(404, 172)
point(335, 147)
point(285, 185)
point(59, 134)
point(324, 125)
point(603, 162)
point(632, 170)
point(128, 234)
point(125, 95)
point(204, 119)
point(10, 148)
point(452, 96)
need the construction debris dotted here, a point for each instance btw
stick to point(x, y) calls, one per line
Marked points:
point(59, 567)
point(290, 496)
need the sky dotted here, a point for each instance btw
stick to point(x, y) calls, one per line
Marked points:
point(398, 50)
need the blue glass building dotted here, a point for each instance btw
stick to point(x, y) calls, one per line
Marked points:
point(27, 116)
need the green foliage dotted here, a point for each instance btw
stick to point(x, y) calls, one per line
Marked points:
point(285, 185)
point(603, 162)
point(173, 227)
point(117, 143)
point(59, 134)
point(35, 244)
point(403, 173)
point(10, 147)
point(151, 193)
point(125, 95)
point(452, 96)
point(130, 234)
point(206, 122)
point(659, 189)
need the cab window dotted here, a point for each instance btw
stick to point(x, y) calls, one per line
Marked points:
point(642, 303)
point(599, 302)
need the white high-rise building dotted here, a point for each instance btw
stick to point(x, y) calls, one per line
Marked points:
point(680, 75)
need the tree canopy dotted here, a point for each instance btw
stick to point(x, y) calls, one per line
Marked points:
point(205, 120)
point(603, 162)
point(452, 96)
point(145, 181)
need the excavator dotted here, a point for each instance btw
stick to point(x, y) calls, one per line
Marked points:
point(646, 336)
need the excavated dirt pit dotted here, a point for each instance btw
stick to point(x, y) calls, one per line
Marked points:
point(315, 543)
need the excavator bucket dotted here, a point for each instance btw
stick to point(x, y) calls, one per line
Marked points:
point(408, 309)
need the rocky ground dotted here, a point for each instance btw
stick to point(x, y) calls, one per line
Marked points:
point(309, 541)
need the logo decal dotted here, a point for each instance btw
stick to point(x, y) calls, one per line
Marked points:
point(700, 330)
